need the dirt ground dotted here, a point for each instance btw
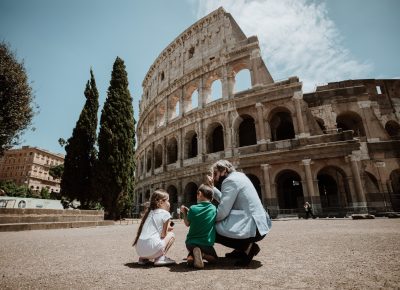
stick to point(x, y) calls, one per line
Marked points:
point(296, 254)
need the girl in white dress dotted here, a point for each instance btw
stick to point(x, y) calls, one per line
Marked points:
point(155, 236)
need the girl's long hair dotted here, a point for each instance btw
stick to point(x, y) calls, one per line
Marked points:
point(155, 199)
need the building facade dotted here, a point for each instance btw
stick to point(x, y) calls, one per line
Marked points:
point(336, 148)
point(30, 166)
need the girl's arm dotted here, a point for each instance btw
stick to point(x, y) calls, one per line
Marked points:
point(165, 229)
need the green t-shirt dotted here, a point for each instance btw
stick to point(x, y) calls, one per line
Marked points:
point(202, 224)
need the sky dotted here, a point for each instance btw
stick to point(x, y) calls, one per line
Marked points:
point(59, 41)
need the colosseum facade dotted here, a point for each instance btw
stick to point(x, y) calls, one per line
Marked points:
point(210, 96)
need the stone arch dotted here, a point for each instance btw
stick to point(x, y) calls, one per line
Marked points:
point(216, 90)
point(215, 138)
point(151, 122)
point(173, 197)
point(173, 107)
point(190, 194)
point(209, 90)
point(321, 124)
point(281, 124)
point(242, 80)
point(289, 190)
point(158, 156)
point(191, 141)
point(246, 131)
point(161, 111)
point(149, 160)
point(333, 187)
point(172, 150)
point(190, 92)
point(257, 184)
point(393, 129)
point(350, 121)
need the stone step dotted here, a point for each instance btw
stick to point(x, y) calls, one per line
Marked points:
point(30, 218)
point(14, 227)
point(43, 211)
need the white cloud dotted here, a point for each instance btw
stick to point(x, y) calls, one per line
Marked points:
point(297, 38)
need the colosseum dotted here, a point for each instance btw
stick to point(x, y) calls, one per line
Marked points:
point(210, 96)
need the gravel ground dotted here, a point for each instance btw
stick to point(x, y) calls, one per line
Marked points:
point(297, 254)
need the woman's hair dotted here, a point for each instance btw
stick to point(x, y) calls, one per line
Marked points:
point(220, 165)
point(156, 198)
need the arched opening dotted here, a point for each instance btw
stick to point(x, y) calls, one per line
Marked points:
point(172, 151)
point(216, 90)
point(257, 184)
point(173, 106)
point(393, 129)
point(195, 99)
point(247, 131)
point(191, 145)
point(158, 156)
point(149, 158)
point(333, 188)
point(161, 115)
point(242, 80)
point(290, 190)
point(215, 138)
point(282, 126)
point(395, 194)
point(190, 194)
point(173, 198)
point(350, 121)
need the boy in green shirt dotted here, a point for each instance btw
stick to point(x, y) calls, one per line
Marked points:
point(200, 219)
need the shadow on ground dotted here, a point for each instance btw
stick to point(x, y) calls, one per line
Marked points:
point(222, 264)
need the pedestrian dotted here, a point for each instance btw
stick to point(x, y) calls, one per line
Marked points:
point(308, 210)
point(241, 218)
point(155, 234)
point(200, 219)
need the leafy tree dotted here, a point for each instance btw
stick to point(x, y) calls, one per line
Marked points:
point(16, 99)
point(45, 193)
point(76, 181)
point(115, 166)
point(56, 171)
point(12, 189)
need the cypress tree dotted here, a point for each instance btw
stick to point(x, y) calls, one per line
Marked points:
point(115, 167)
point(76, 181)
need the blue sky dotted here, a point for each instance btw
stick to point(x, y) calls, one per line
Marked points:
point(59, 41)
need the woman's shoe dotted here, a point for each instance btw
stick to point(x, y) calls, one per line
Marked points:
point(143, 261)
point(254, 250)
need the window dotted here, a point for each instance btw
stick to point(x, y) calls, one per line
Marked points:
point(191, 52)
point(162, 76)
point(378, 90)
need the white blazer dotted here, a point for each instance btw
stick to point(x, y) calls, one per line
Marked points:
point(240, 211)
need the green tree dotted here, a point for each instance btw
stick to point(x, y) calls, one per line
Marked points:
point(12, 189)
point(115, 166)
point(56, 171)
point(76, 181)
point(16, 99)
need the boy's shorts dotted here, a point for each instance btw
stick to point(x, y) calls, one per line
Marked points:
point(209, 250)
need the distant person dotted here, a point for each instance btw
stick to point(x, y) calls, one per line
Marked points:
point(241, 218)
point(308, 210)
point(154, 236)
point(200, 219)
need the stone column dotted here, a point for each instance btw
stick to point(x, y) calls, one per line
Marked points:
point(201, 96)
point(164, 154)
point(260, 122)
point(200, 141)
point(311, 196)
point(297, 97)
point(269, 199)
point(361, 203)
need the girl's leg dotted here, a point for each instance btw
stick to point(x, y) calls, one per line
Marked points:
point(168, 241)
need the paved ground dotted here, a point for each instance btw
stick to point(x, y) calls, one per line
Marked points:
point(297, 254)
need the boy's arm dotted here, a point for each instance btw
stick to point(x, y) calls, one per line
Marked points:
point(184, 211)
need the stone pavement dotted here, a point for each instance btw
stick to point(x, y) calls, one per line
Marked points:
point(297, 254)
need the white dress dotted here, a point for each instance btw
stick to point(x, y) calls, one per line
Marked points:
point(150, 242)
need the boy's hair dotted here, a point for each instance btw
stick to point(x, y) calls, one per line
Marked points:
point(222, 164)
point(206, 191)
point(158, 196)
